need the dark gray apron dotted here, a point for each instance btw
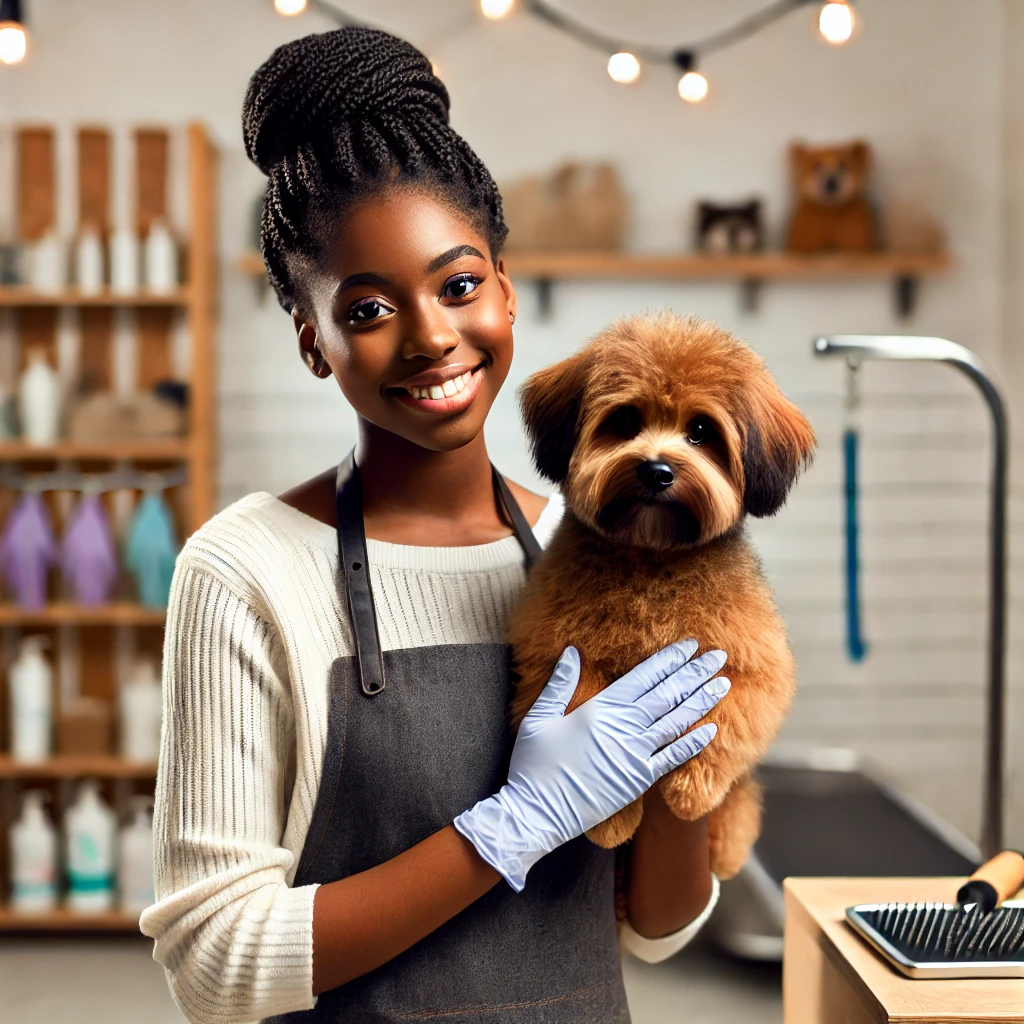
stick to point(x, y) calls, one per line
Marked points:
point(415, 737)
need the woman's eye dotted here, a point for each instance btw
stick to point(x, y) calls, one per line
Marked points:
point(625, 421)
point(367, 311)
point(700, 430)
point(459, 287)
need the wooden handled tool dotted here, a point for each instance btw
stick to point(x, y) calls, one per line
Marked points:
point(996, 880)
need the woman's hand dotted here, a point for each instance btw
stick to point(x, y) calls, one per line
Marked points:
point(571, 772)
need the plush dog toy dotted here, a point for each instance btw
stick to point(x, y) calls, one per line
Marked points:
point(832, 211)
point(663, 433)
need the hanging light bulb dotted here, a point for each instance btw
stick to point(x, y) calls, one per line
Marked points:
point(13, 37)
point(623, 67)
point(495, 9)
point(693, 86)
point(289, 7)
point(835, 22)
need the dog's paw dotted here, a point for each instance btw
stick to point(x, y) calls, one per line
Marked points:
point(619, 828)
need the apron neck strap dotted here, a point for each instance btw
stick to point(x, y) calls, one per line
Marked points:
point(348, 506)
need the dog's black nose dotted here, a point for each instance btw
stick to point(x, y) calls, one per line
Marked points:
point(655, 476)
point(831, 185)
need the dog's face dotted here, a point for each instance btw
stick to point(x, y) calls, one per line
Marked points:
point(663, 432)
point(830, 175)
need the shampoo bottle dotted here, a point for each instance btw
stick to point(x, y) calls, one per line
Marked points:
point(141, 707)
point(124, 261)
point(161, 259)
point(90, 835)
point(33, 857)
point(39, 400)
point(31, 688)
point(135, 861)
point(89, 262)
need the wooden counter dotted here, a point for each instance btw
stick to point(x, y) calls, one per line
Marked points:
point(831, 976)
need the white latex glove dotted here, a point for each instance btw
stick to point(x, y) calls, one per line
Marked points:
point(570, 772)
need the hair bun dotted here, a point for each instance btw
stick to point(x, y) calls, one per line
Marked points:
point(298, 96)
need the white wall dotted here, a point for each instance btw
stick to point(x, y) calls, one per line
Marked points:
point(924, 84)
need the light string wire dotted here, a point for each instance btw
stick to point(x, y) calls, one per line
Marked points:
point(684, 57)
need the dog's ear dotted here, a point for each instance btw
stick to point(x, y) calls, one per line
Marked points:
point(550, 401)
point(778, 442)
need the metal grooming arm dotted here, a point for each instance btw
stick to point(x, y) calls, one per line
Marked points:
point(867, 346)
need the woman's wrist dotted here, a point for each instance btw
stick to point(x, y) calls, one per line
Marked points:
point(670, 880)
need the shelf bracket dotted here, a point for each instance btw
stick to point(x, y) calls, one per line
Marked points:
point(545, 287)
point(905, 289)
point(750, 294)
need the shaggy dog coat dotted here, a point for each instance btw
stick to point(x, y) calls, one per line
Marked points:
point(663, 433)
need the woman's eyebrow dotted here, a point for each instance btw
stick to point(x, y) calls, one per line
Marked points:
point(451, 255)
point(367, 278)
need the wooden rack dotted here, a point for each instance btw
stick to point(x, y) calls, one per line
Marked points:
point(36, 316)
point(752, 270)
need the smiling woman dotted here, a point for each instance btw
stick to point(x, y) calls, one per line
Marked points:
point(339, 795)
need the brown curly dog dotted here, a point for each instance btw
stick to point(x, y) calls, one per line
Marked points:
point(663, 433)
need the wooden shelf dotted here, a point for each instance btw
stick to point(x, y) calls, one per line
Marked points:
point(141, 450)
point(768, 266)
point(62, 613)
point(76, 768)
point(62, 920)
point(20, 295)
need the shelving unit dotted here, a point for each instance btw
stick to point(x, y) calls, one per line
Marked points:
point(99, 631)
point(751, 271)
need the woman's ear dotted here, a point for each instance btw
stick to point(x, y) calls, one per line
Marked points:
point(778, 442)
point(550, 401)
point(507, 287)
point(308, 347)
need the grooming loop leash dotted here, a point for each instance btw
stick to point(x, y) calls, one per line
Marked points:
point(855, 644)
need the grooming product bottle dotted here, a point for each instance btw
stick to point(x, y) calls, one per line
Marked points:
point(89, 262)
point(124, 261)
point(141, 706)
point(46, 264)
point(33, 847)
point(90, 835)
point(135, 860)
point(39, 400)
point(31, 689)
point(161, 259)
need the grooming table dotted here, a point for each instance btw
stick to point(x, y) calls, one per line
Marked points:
point(831, 976)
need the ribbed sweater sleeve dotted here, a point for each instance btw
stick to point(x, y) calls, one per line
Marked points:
point(235, 940)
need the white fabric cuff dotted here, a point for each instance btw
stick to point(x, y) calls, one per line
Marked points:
point(653, 951)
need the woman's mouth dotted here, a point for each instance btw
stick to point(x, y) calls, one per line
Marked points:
point(452, 395)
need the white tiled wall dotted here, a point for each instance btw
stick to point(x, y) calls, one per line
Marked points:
point(924, 84)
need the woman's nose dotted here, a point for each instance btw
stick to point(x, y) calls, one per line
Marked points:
point(428, 332)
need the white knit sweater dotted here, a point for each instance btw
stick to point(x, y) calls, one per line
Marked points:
point(254, 623)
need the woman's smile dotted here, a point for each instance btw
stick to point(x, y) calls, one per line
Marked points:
point(441, 391)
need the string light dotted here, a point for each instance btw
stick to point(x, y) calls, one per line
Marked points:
point(623, 67)
point(289, 7)
point(693, 87)
point(836, 22)
point(495, 9)
point(13, 37)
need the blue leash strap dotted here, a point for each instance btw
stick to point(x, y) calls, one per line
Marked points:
point(855, 644)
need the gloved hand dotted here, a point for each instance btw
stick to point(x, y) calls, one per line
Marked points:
point(571, 772)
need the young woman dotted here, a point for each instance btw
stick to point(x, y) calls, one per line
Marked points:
point(344, 824)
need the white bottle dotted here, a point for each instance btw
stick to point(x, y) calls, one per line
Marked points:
point(124, 262)
point(135, 860)
point(89, 262)
point(141, 706)
point(90, 835)
point(33, 856)
point(161, 258)
point(47, 271)
point(31, 686)
point(39, 400)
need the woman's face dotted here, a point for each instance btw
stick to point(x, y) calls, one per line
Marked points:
point(412, 319)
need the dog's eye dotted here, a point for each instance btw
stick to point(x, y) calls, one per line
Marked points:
point(625, 421)
point(700, 430)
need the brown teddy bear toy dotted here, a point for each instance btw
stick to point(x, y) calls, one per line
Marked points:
point(832, 210)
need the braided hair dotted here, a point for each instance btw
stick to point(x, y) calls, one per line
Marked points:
point(338, 116)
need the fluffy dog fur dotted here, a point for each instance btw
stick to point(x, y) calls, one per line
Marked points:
point(631, 569)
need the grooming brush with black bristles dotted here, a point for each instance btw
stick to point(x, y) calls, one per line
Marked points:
point(981, 937)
